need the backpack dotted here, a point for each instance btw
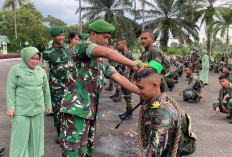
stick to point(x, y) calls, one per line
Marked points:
point(187, 143)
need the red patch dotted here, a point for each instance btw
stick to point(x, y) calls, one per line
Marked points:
point(156, 126)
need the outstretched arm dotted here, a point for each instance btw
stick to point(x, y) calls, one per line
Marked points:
point(113, 55)
point(125, 83)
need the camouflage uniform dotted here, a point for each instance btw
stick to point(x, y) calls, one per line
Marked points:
point(229, 76)
point(179, 69)
point(195, 62)
point(171, 78)
point(223, 106)
point(127, 73)
point(80, 103)
point(54, 58)
point(159, 126)
point(194, 85)
point(153, 54)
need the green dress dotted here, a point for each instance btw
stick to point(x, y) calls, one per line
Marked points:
point(205, 71)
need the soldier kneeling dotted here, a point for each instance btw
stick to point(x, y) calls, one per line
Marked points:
point(224, 103)
point(192, 93)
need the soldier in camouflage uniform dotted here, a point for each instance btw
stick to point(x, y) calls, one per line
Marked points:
point(151, 53)
point(192, 93)
point(86, 73)
point(159, 119)
point(179, 68)
point(195, 60)
point(227, 73)
point(224, 95)
point(53, 60)
point(171, 78)
point(127, 73)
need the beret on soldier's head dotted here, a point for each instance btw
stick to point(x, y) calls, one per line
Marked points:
point(56, 30)
point(84, 36)
point(101, 26)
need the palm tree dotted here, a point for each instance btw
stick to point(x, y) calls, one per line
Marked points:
point(143, 14)
point(207, 18)
point(223, 24)
point(80, 20)
point(165, 17)
point(13, 4)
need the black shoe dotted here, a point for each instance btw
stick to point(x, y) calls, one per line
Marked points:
point(129, 117)
point(117, 99)
point(1, 151)
point(205, 84)
point(230, 121)
point(228, 117)
point(123, 114)
point(58, 140)
point(110, 88)
point(112, 96)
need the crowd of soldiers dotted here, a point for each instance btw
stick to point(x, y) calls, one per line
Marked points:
point(76, 76)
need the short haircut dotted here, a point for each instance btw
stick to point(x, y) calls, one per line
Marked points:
point(222, 77)
point(144, 73)
point(225, 66)
point(149, 31)
point(123, 40)
point(191, 68)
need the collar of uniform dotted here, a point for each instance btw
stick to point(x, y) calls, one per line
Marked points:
point(23, 65)
point(157, 102)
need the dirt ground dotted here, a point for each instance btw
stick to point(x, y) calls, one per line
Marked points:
point(213, 131)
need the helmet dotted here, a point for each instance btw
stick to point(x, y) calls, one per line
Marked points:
point(229, 103)
point(188, 95)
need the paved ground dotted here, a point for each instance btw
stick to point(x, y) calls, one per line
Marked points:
point(213, 131)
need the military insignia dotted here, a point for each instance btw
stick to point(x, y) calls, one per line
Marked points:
point(156, 104)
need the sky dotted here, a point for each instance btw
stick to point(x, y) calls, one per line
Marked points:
point(65, 9)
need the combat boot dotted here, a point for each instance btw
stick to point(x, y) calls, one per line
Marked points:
point(118, 98)
point(128, 116)
point(230, 121)
point(123, 114)
point(58, 136)
point(110, 88)
point(1, 150)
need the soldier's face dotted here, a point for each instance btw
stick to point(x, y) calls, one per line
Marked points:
point(146, 89)
point(224, 70)
point(100, 39)
point(224, 82)
point(59, 39)
point(121, 45)
point(188, 71)
point(146, 40)
point(34, 61)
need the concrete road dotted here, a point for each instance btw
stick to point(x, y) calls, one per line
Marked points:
point(213, 131)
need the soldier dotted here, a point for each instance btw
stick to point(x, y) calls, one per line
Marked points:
point(227, 73)
point(73, 38)
point(192, 93)
point(159, 119)
point(151, 53)
point(179, 68)
point(86, 72)
point(111, 85)
point(224, 98)
point(127, 73)
point(195, 59)
point(171, 78)
point(53, 60)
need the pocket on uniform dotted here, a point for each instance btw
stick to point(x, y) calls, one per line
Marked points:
point(25, 79)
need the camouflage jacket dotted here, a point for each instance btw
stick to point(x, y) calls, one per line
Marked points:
point(54, 58)
point(193, 83)
point(160, 125)
point(85, 80)
point(222, 93)
point(195, 58)
point(125, 70)
point(151, 54)
point(229, 76)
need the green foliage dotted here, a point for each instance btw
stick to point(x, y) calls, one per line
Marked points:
point(52, 21)
point(177, 51)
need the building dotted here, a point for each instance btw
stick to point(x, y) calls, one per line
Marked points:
point(4, 41)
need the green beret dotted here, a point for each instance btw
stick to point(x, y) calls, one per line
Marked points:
point(101, 26)
point(84, 36)
point(56, 30)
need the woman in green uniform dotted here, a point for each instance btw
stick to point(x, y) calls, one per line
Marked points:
point(28, 95)
point(205, 67)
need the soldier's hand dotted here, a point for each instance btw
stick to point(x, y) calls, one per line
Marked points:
point(181, 93)
point(10, 113)
point(217, 110)
point(225, 97)
point(48, 110)
point(135, 65)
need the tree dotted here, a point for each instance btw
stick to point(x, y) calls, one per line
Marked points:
point(13, 4)
point(143, 14)
point(165, 17)
point(223, 24)
point(52, 21)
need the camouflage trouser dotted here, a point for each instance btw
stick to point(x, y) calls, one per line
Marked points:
point(56, 102)
point(77, 135)
point(128, 98)
point(163, 85)
point(193, 96)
